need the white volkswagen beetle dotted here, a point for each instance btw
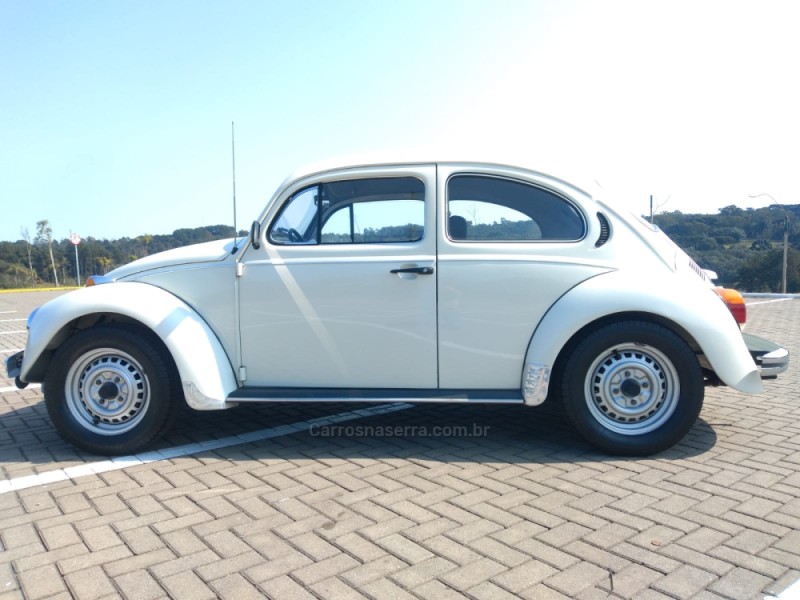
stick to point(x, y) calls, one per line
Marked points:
point(429, 282)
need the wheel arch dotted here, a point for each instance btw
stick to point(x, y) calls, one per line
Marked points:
point(620, 317)
point(206, 374)
point(691, 311)
point(38, 370)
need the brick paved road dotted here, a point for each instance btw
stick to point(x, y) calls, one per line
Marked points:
point(527, 510)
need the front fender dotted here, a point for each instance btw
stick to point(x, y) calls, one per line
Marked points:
point(206, 374)
point(695, 308)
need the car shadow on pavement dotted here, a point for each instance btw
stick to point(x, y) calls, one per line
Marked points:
point(442, 432)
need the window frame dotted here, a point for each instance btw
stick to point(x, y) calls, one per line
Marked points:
point(575, 206)
point(284, 207)
point(317, 241)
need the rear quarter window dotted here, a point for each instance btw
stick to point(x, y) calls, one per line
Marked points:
point(485, 208)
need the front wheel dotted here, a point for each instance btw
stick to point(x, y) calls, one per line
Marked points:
point(632, 388)
point(111, 390)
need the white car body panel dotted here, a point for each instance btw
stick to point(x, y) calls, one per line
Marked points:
point(204, 369)
point(207, 289)
point(302, 327)
point(206, 252)
point(695, 308)
point(479, 346)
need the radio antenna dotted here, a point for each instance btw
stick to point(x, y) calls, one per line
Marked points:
point(233, 163)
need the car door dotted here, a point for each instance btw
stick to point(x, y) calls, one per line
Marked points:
point(341, 292)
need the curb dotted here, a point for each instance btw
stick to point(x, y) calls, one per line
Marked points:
point(64, 288)
point(769, 295)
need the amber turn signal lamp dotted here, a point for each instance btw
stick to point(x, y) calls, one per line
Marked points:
point(735, 303)
point(97, 280)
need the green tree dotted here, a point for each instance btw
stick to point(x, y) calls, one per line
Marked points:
point(731, 210)
point(44, 235)
point(147, 239)
point(104, 262)
point(26, 235)
point(763, 271)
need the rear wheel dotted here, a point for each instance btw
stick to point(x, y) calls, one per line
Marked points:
point(632, 388)
point(111, 390)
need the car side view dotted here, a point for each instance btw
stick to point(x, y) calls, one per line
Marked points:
point(459, 282)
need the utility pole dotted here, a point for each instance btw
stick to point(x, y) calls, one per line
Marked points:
point(654, 207)
point(785, 245)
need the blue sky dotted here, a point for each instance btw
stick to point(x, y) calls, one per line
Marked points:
point(115, 116)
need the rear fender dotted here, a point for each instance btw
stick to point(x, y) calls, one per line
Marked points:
point(694, 308)
point(206, 373)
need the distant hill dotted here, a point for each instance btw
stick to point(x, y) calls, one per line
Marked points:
point(96, 256)
point(743, 246)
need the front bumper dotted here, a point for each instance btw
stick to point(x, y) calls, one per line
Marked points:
point(14, 367)
point(770, 358)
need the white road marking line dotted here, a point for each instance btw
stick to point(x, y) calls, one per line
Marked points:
point(790, 593)
point(7, 312)
point(10, 332)
point(767, 301)
point(11, 320)
point(13, 388)
point(121, 462)
point(11, 350)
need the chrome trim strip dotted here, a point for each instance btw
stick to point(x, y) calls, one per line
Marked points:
point(382, 400)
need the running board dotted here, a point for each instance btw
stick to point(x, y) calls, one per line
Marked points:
point(274, 394)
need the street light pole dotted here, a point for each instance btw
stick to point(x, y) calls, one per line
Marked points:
point(77, 266)
point(785, 245)
point(75, 239)
point(785, 235)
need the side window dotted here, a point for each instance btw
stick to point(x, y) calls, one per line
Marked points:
point(360, 211)
point(482, 208)
point(375, 222)
point(296, 219)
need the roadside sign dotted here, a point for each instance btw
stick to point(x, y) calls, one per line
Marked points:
point(74, 239)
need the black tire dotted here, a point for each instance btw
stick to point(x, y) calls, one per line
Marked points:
point(632, 388)
point(111, 390)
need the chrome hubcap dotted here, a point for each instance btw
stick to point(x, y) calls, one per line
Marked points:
point(107, 391)
point(632, 389)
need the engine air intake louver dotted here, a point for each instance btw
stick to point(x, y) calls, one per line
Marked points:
point(605, 230)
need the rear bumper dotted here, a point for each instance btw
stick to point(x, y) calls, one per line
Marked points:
point(770, 358)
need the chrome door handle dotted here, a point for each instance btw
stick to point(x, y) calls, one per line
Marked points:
point(416, 270)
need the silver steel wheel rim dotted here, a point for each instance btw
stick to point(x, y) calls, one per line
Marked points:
point(632, 389)
point(107, 391)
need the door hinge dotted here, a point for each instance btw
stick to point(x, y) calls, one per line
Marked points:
point(239, 269)
point(242, 373)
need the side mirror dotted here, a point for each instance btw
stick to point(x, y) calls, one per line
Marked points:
point(255, 234)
